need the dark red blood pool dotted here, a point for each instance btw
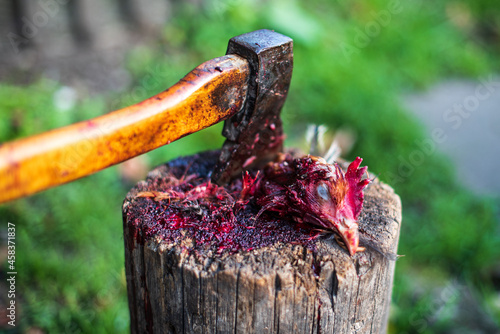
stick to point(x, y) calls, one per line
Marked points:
point(178, 202)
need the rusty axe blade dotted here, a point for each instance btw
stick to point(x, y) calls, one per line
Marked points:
point(215, 90)
point(255, 134)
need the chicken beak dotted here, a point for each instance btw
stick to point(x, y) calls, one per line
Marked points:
point(348, 230)
point(351, 239)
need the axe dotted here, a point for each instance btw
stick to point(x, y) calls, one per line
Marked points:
point(246, 88)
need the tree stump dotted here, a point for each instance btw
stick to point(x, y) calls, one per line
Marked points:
point(275, 279)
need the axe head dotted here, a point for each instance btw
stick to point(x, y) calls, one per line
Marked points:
point(255, 134)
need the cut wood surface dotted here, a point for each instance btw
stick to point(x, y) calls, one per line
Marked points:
point(280, 288)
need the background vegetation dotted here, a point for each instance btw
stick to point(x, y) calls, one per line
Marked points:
point(69, 239)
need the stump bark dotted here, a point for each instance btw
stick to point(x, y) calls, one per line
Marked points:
point(282, 287)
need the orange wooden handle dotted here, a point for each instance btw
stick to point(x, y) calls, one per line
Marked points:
point(212, 92)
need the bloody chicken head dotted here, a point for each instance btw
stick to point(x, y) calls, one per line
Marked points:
point(316, 192)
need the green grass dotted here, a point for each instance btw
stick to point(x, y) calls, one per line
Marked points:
point(70, 244)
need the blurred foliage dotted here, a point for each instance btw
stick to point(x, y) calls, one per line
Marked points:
point(353, 60)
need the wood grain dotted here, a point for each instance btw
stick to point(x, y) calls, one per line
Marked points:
point(283, 288)
point(212, 92)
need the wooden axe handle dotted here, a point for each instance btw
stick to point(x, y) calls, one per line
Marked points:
point(210, 93)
